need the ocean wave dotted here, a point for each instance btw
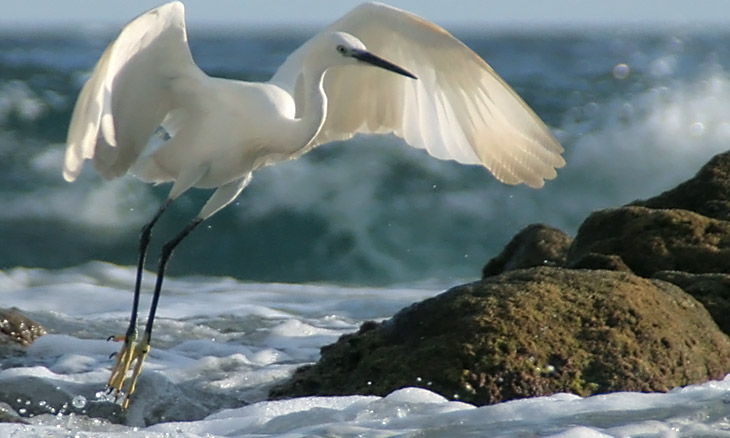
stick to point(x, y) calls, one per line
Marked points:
point(636, 114)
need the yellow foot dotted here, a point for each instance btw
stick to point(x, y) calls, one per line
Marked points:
point(131, 352)
point(124, 361)
point(140, 354)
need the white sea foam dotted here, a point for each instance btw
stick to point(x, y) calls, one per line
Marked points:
point(647, 143)
point(233, 340)
point(17, 98)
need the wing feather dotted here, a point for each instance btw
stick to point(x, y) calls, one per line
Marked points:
point(458, 109)
point(134, 85)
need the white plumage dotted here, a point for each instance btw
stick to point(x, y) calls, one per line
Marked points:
point(429, 89)
point(458, 109)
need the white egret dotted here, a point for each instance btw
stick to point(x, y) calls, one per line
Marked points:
point(219, 131)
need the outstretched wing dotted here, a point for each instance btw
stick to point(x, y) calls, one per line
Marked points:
point(458, 109)
point(139, 80)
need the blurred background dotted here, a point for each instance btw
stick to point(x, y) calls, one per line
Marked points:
point(637, 92)
point(515, 14)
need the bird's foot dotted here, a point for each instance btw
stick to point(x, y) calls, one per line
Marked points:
point(140, 354)
point(132, 351)
point(124, 361)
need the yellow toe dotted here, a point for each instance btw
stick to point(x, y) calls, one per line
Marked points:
point(123, 363)
point(140, 354)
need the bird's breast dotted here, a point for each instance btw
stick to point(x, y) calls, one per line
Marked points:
point(239, 128)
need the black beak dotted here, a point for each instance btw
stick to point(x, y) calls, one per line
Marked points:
point(362, 55)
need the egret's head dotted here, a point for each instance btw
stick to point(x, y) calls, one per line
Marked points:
point(347, 49)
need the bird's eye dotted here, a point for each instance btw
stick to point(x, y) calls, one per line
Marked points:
point(341, 49)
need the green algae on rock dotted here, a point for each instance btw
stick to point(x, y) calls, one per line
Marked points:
point(525, 333)
point(534, 245)
point(652, 240)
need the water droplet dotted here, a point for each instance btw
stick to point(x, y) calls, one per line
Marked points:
point(621, 71)
point(104, 396)
point(79, 402)
point(696, 129)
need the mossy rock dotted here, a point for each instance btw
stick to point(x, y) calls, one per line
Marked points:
point(649, 240)
point(534, 245)
point(16, 328)
point(712, 290)
point(526, 333)
point(707, 193)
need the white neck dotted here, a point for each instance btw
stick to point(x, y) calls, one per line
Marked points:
point(313, 111)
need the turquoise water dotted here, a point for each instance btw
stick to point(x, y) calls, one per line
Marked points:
point(636, 112)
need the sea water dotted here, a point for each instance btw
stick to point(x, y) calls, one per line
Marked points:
point(231, 340)
point(350, 232)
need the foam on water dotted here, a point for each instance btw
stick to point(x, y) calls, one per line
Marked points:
point(233, 340)
point(653, 139)
point(18, 99)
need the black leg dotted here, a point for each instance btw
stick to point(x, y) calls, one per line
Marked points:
point(127, 354)
point(167, 250)
point(142, 348)
point(136, 352)
point(144, 241)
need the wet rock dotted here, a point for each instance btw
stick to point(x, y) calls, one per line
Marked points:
point(712, 290)
point(535, 245)
point(525, 333)
point(650, 240)
point(156, 400)
point(683, 229)
point(9, 415)
point(15, 328)
point(707, 193)
point(31, 396)
point(592, 260)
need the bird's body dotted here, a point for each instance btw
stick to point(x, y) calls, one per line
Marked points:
point(438, 96)
point(236, 143)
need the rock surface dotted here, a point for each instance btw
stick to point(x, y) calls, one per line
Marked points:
point(9, 415)
point(158, 399)
point(707, 193)
point(535, 245)
point(15, 328)
point(652, 240)
point(712, 290)
point(525, 333)
point(613, 311)
point(683, 229)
